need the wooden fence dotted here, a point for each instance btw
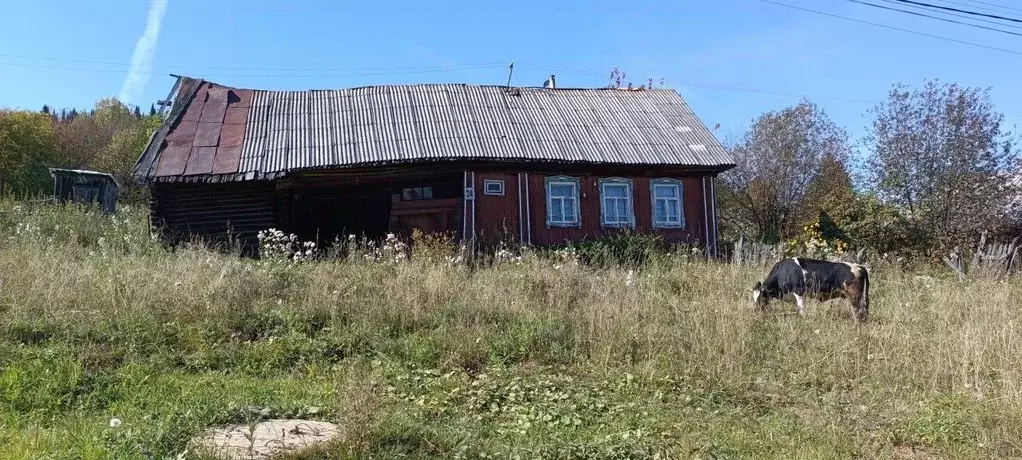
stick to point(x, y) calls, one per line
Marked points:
point(758, 254)
point(988, 259)
point(754, 254)
point(994, 260)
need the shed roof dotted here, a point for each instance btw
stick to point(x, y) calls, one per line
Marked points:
point(217, 133)
point(82, 172)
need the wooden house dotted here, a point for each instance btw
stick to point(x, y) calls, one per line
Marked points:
point(539, 165)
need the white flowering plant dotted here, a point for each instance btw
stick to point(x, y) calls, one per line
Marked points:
point(275, 245)
point(46, 224)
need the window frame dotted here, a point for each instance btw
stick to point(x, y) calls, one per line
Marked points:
point(576, 184)
point(422, 192)
point(629, 200)
point(680, 187)
point(488, 182)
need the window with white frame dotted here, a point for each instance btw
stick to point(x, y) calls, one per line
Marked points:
point(616, 202)
point(493, 187)
point(666, 198)
point(562, 202)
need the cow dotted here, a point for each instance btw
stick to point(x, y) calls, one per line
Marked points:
point(803, 277)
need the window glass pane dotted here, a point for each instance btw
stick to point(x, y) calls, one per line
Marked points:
point(569, 210)
point(661, 210)
point(562, 190)
point(666, 191)
point(672, 211)
point(556, 214)
point(427, 193)
point(610, 209)
point(622, 210)
point(495, 186)
point(615, 190)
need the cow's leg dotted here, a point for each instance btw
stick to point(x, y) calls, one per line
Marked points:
point(800, 290)
point(861, 308)
point(857, 300)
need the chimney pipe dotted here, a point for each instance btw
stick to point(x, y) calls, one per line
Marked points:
point(553, 81)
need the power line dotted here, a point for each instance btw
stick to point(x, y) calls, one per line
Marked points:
point(996, 5)
point(885, 26)
point(996, 8)
point(915, 13)
point(946, 13)
point(969, 12)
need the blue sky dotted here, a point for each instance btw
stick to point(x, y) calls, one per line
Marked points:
point(731, 59)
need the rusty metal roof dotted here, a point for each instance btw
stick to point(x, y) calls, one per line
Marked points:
point(219, 133)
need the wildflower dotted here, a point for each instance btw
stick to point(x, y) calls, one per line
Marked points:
point(115, 422)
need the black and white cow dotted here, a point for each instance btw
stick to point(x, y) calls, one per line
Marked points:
point(818, 279)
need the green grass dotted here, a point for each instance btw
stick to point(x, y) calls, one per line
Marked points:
point(426, 359)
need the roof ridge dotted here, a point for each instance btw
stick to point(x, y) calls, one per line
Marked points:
point(473, 85)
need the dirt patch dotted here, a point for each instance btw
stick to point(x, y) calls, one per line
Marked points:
point(914, 453)
point(264, 440)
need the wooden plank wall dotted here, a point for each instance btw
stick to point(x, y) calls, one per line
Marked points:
point(695, 217)
point(496, 216)
point(214, 213)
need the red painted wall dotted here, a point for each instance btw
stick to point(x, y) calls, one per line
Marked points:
point(692, 190)
point(497, 216)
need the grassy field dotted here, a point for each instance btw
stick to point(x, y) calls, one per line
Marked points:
point(425, 358)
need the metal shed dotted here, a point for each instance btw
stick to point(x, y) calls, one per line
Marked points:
point(85, 187)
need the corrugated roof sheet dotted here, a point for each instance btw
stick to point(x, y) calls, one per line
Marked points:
point(284, 131)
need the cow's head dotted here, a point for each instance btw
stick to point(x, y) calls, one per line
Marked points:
point(758, 297)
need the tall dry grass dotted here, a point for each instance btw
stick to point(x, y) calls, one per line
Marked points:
point(96, 318)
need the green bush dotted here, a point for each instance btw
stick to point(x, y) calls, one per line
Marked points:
point(620, 249)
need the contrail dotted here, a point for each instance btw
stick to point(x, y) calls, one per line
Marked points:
point(142, 58)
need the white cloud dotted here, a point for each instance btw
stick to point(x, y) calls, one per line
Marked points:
point(142, 59)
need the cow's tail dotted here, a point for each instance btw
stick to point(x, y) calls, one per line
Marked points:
point(862, 309)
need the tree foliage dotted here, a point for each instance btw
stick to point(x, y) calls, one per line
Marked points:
point(27, 148)
point(107, 138)
point(938, 155)
point(790, 170)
